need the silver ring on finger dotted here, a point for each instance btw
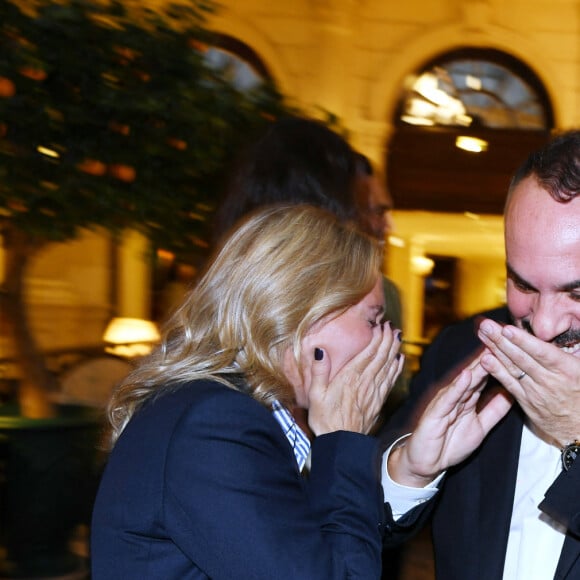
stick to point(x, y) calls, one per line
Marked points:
point(521, 375)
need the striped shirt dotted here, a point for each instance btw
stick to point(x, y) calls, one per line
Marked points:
point(296, 437)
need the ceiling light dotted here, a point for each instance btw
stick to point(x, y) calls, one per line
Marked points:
point(472, 144)
point(48, 152)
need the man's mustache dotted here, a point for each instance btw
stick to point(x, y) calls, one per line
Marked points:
point(568, 338)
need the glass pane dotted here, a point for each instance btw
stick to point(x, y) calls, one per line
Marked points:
point(473, 92)
point(242, 75)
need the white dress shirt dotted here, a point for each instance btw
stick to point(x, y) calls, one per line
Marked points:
point(535, 540)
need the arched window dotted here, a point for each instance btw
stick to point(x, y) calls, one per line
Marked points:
point(464, 123)
point(476, 88)
point(240, 62)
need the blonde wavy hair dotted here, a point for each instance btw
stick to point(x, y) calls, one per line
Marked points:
point(281, 271)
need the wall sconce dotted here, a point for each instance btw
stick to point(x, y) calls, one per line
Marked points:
point(130, 337)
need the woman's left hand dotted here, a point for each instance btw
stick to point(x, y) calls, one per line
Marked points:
point(353, 399)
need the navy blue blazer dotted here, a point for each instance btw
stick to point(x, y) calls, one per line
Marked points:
point(203, 483)
point(472, 512)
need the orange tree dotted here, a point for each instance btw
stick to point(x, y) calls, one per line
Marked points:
point(109, 117)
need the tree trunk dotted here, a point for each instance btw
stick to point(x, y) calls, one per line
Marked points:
point(35, 381)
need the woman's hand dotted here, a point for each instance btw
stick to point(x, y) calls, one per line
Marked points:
point(449, 430)
point(353, 400)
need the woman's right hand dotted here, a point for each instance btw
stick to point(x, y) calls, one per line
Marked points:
point(353, 400)
point(449, 430)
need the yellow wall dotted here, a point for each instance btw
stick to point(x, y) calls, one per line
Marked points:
point(68, 289)
point(67, 293)
point(481, 285)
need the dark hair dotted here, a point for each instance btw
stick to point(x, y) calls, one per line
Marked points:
point(362, 165)
point(297, 161)
point(556, 166)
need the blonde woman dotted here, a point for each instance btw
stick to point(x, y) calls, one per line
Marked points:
point(204, 477)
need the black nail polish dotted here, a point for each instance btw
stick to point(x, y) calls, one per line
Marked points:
point(400, 336)
point(398, 356)
point(318, 354)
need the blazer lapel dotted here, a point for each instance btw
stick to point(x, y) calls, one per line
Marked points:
point(498, 467)
point(568, 558)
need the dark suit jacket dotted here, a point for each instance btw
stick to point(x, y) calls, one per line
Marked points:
point(472, 512)
point(204, 484)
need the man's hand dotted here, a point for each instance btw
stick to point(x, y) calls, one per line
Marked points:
point(548, 392)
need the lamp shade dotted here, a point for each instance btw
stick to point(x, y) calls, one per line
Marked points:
point(130, 336)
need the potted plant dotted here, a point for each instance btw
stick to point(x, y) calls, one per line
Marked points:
point(110, 117)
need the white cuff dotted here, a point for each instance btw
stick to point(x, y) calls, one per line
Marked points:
point(401, 497)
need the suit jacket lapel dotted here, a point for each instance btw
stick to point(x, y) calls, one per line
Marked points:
point(498, 472)
point(568, 557)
